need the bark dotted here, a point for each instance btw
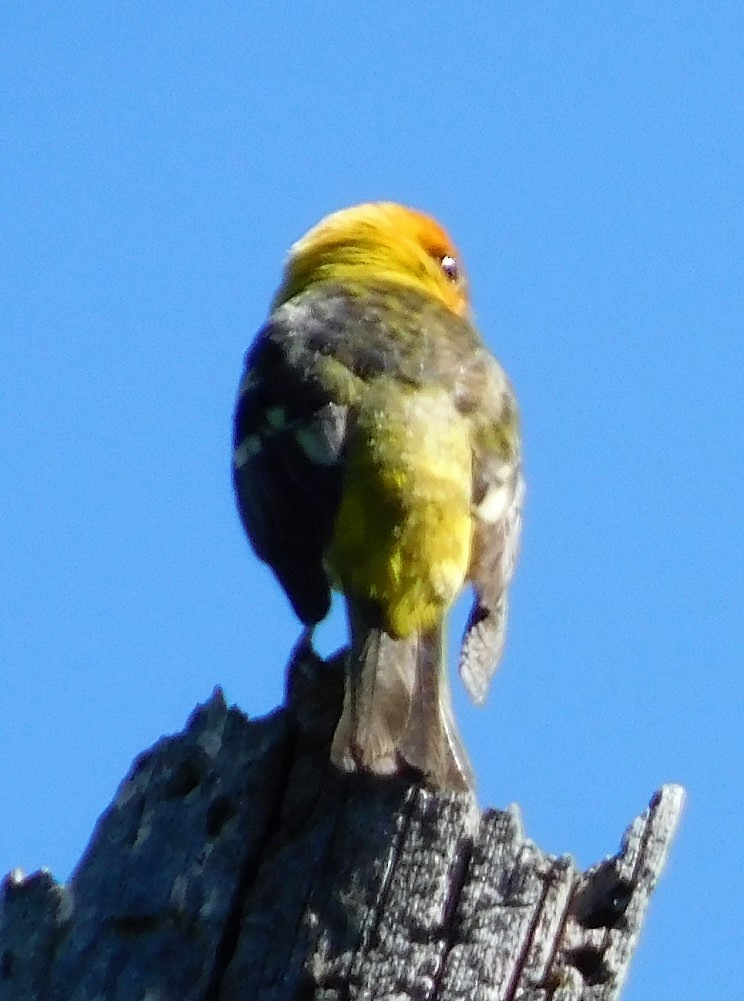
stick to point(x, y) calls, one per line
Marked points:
point(234, 863)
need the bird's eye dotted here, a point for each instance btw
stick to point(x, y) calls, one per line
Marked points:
point(450, 268)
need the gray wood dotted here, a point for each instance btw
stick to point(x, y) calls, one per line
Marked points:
point(234, 863)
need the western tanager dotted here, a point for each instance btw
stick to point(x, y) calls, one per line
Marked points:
point(376, 451)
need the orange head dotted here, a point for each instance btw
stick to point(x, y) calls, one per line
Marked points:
point(378, 242)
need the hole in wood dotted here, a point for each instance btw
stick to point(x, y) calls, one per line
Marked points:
point(7, 962)
point(219, 812)
point(185, 778)
point(589, 962)
point(603, 900)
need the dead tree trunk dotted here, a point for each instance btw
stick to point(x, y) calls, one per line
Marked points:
point(235, 864)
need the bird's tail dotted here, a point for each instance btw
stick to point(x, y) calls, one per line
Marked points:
point(397, 708)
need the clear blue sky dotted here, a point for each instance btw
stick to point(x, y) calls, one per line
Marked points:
point(156, 164)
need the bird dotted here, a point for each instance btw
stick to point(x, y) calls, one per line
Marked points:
point(376, 452)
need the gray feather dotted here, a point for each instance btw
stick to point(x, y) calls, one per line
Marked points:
point(495, 548)
point(397, 708)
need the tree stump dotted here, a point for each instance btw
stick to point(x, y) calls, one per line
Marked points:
point(235, 863)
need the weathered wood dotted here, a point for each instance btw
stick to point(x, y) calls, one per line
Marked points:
point(234, 863)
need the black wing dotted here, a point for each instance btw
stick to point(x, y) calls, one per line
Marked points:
point(288, 442)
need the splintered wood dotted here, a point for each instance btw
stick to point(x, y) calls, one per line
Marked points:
point(234, 863)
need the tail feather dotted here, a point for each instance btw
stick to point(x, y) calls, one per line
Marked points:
point(380, 676)
point(432, 742)
point(397, 706)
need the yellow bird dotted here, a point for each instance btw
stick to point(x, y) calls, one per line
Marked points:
point(376, 451)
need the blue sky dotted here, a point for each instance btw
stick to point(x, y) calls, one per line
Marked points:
point(156, 164)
